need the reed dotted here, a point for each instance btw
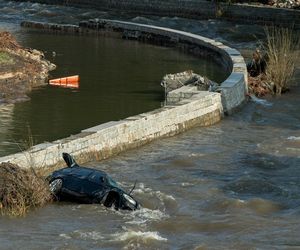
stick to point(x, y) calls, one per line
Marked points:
point(7, 41)
point(21, 189)
point(282, 50)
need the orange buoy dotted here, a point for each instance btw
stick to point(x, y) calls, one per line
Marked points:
point(67, 82)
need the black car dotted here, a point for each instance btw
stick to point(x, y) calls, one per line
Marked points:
point(87, 185)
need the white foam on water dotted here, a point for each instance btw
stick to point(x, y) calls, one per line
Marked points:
point(186, 184)
point(93, 235)
point(161, 196)
point(142, 190)
point(65, 236)
point(141, 19)
point(137, 235)
point(144, 215)
point(294, 138)
point(128, 235)
point(74, 208)
point(141, 185)
point(260, 101)
point(196, 155)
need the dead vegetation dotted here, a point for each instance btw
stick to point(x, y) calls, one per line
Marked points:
point(259, 85)
point(8, 42)
point(271, 71)
point(21, 69)
point(21, 189)
point(282, 49)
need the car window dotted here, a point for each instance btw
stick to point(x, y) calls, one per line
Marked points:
point(112, 182)
point(97, 177)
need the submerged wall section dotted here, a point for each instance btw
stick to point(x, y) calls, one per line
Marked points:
point(201, 108)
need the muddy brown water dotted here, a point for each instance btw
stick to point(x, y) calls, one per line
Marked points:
point(234, 185)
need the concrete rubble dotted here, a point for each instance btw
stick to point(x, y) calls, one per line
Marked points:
point(174, 81)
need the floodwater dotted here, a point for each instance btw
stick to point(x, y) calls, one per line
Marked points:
point(233, 185)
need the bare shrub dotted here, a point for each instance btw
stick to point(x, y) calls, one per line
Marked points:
point(21, 189)
point(282, 49)
point(7, 41)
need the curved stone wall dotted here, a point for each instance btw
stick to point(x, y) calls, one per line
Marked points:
point(201, 108)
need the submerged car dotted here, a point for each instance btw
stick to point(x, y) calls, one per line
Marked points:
point(87, 185)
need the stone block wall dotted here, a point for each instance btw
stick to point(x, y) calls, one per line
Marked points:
point(233, 91)
point(113, 137)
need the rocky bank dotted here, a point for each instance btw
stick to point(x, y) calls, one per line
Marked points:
point(21, 69)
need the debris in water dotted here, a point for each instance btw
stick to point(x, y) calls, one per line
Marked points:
point(174, 81)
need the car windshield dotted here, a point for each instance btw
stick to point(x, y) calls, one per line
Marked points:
point(112, 182)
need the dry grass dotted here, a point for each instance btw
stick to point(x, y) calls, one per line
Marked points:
point(282, 48)
point(259, 85)
point(7, 41)
point(21, 189)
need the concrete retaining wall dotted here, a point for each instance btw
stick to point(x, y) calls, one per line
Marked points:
point(198, 9)
point(201, 108)
point(113, 137)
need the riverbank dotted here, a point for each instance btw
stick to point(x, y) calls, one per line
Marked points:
point(21, 69)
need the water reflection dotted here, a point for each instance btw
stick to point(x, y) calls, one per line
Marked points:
point(6, 120)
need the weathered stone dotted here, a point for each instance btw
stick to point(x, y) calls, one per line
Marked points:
point(174, 81)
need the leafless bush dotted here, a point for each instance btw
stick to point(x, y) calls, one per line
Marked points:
point(282, 48)
point(21, 189)
point(7, 41)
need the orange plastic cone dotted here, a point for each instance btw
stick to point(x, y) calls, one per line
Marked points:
point(67, 82)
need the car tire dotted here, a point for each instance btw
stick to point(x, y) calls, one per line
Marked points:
point(55, 185)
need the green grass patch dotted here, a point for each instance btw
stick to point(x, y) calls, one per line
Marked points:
point(5, 58)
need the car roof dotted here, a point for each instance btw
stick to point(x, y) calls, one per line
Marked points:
point(85, 173)
point(81, 172)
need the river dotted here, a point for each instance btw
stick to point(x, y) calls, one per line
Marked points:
point(233, 185)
